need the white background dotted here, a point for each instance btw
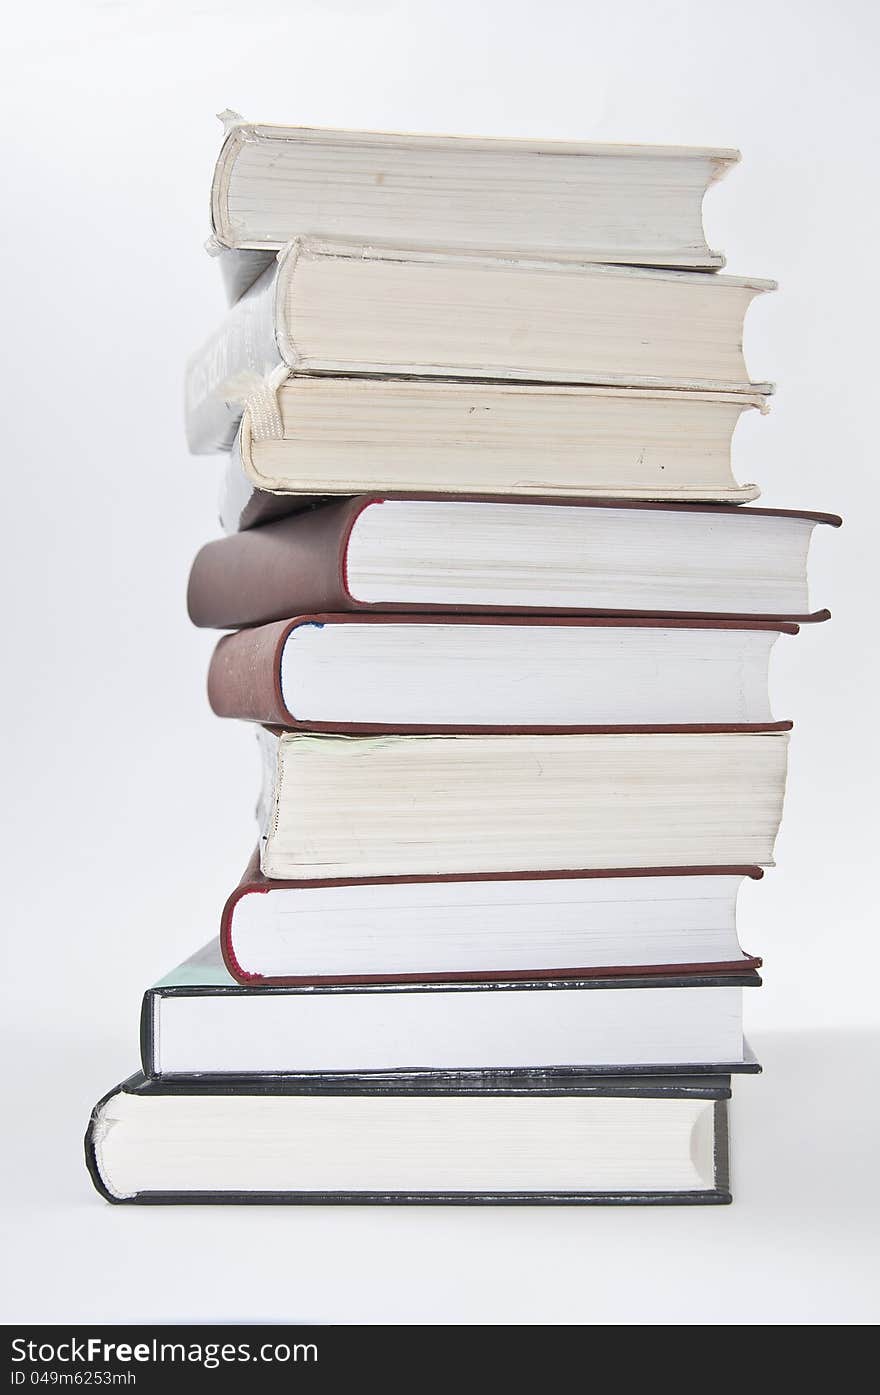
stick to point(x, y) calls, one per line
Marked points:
point(128, 808)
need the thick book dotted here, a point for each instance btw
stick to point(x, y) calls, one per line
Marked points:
point(344, 435)
point(473, 554)
point(548, 198)
point(376, 806)
point(367, 674)
point(534, 1139)
point(346, 308)
point(199, 1022)
point(600, 924)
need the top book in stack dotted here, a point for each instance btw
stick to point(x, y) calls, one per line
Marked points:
point(463, 315)
point(640, 205)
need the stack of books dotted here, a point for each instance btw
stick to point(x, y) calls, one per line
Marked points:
point(503, 627)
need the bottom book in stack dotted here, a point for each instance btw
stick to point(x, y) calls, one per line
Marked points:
point(524, 1137)
point(427, 1092)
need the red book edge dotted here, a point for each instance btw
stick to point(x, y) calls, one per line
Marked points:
point(254, 883)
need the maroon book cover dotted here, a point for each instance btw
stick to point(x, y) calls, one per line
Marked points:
point(244, 677)
point(297, 565)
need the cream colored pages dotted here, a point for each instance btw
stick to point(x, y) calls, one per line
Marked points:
point(352, 309)
point(560, 199)
point(347, 307)
point(353, 435)
point(362, 806)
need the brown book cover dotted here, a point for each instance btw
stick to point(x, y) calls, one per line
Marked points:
point(297, 565)
point(253, 882)
point(244, 677)
point(261, 507)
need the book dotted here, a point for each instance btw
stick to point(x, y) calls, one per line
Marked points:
point(370, 673)
point(376, 806)
point(199, 1022)
point(424, 553)
point(351, 309)
point(399, 929)
point(562, 199)
point(534, 1140)
point(344, 435)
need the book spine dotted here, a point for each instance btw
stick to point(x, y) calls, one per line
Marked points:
point(147, 1035)
point(239, 269)
point(291, 567)
point(228, 368)
point(244, 675)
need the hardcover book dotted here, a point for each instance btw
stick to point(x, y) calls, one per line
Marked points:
point(531, 925)
point(528, 1140)
point(473, 554)
point(198, 1022)
point(560, 199)
point(375, 806)
point(344, 435)
point(372, 673)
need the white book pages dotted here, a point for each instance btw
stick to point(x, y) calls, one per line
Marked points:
point(252, 1143)
point(453, 552)
point(494, 927)
point(242, 1033)
point(520, 675)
